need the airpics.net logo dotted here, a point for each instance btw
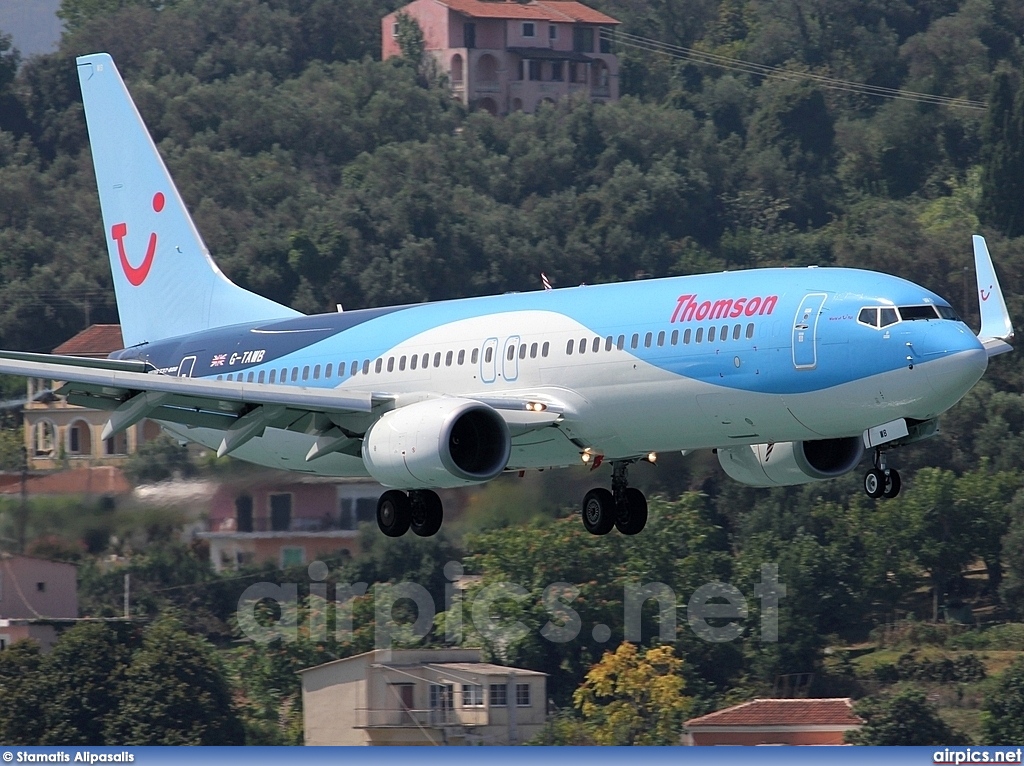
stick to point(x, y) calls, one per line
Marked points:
point(957, 755)
point(716, 612)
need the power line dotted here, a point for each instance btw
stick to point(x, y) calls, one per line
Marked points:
point(749, 67)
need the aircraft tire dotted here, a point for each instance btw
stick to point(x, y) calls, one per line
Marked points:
point(427, 512)
point(892, 483)
point(394, 513)
point(635, 517)
point(599, 511)
point(874, 483)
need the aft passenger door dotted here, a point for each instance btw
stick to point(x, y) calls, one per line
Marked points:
point(805, 330)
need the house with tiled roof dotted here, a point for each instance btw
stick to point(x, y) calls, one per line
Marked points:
point(509, 55)
point(775, 722)
point(59, 434)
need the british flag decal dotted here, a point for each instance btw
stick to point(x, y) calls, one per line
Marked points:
point(218, 360)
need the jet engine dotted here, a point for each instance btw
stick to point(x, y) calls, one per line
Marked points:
point(787, 463)
point(447, 442)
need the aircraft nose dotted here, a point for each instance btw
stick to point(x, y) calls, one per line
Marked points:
point(955, 365)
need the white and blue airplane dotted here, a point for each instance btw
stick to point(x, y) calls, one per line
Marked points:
point(791, 375)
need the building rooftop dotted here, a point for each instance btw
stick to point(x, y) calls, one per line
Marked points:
point(95, 480)
point(836, 711)
point(566, 11)
point(96, 341)
point(482, 668)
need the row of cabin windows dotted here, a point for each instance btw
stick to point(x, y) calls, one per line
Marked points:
point(721, 334)
point(415, 361)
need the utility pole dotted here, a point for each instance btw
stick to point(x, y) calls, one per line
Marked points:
point(127, 583)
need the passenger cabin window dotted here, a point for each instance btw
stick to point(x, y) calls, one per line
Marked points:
point(378, 365)
point(475, 357)
point(543, 349)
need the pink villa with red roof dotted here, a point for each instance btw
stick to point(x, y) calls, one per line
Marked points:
point(775, 722)
point(504, 55)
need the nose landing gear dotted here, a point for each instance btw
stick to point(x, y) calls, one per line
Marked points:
point(881, 481)
point(624, 508)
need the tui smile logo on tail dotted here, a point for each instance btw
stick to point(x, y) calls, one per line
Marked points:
point(137, 274)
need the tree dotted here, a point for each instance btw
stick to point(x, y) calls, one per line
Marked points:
point(21, 717)
point(635, 698)
point(1003, 718)
point(905, 718)
point(80, 683)
point(174, 693)
point(159, 459)
point(1002, 155)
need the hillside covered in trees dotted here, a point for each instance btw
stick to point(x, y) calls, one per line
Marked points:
point(319, 175)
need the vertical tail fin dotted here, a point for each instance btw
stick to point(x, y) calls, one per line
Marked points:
point(996, 329)
point(165, 282)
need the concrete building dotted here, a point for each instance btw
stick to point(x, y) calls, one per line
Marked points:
point(35, 595)
point(505, 55)
point(60, 434)
point(421, 697)
point(775, 722)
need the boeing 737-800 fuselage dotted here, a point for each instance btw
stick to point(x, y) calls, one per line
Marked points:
point(790, 374)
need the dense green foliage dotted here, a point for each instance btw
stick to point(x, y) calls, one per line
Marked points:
point(905, 718)
point(1004, 720)
point(113, 684)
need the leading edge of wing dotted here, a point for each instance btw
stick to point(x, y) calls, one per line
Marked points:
point(114, 375)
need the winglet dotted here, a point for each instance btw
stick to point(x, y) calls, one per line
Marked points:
point(996, 328)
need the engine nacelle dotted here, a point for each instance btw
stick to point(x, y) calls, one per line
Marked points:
point(437, 443)
point(787, 463)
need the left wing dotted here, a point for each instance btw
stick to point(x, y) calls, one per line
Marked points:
point(133, 390)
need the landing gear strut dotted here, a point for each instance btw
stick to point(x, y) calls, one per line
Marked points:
point(624, 507)
point(881, 481)
point(420, 510)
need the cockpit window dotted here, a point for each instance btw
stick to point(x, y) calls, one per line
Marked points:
point(868, 317)
point(947, 312)
point(910, 313)
point(878, 317)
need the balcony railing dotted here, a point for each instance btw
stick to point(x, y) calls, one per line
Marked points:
point(376, 718)
point(487, 86)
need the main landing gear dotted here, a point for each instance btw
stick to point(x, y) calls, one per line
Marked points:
point(420, 510)
point(624, 508)
point(881, 481)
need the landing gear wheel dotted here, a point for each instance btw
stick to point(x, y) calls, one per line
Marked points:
point(635, 517)
point(874, 483)
point(599, 511)
point(427, 512)
point(892, 483)
point(394, 513)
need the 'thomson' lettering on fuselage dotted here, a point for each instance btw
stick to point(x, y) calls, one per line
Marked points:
point(688, 308)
